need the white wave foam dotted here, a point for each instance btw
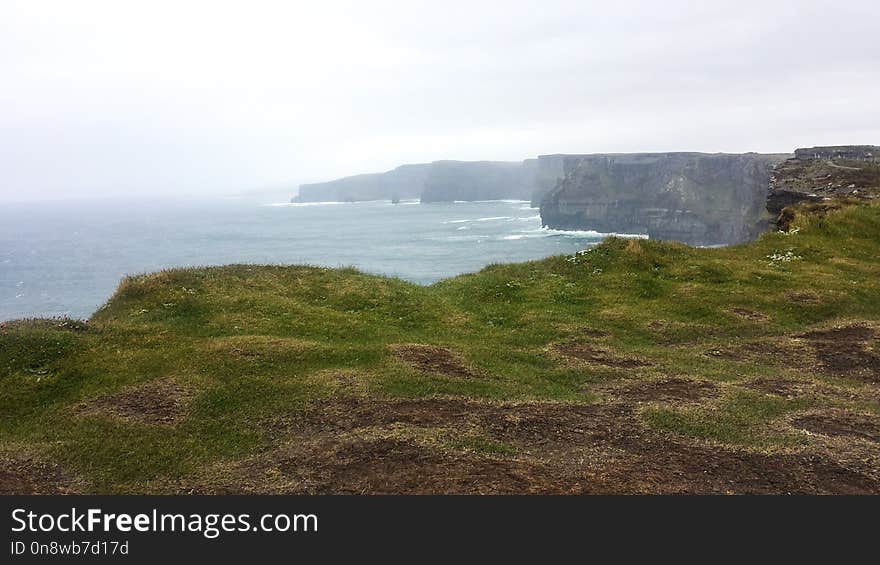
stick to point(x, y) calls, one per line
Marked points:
point(487, 219)
point(549, 232)
point(590, 233)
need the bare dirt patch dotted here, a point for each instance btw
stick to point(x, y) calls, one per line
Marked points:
point(849, 351)
point(845, 333)
point(348, 445)
point(672, 389)
point(684, 469)
point(771, 350)
point(778, 386)
point(389, 466)
point(846, 351)
point(433, 359)
point(791, 388)
point(837, 425)
point(161, 402)
point(26, 475)
point(594, 354)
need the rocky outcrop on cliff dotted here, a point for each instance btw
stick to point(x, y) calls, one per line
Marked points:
point(695, 198)
point(819, 173)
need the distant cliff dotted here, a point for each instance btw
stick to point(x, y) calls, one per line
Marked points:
point(696, 198)
point(404, 182)
point(448, 181)
point(445, 181)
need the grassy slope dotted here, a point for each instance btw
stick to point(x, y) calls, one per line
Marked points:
point(253, 342)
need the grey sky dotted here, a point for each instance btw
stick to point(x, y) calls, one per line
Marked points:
point(182, 97)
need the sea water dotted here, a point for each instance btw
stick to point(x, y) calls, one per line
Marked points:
point(66, 258)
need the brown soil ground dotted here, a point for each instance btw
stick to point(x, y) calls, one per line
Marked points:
point(777, 386)
point(356, 445)
point(772, 351)
point(21, 474)
point(160, 402)
point(848, 351)
point(433, 359)
point(841, 425)
point(353, 444)
point(680, 389)
point(791, 388)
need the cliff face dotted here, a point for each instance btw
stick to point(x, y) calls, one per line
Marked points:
point(696, 198)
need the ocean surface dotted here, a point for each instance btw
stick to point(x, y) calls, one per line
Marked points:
point(66, 258)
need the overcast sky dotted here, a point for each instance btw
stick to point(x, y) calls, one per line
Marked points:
point(118, 97)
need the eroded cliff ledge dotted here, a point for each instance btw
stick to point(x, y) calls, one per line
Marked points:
point(695, 198)
point(818, 173)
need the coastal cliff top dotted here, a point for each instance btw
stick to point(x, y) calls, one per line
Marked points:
point(653, 361)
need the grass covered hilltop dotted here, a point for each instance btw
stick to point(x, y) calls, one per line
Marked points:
point(636, 367)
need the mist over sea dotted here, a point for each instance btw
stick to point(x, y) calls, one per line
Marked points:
point(66, 258)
